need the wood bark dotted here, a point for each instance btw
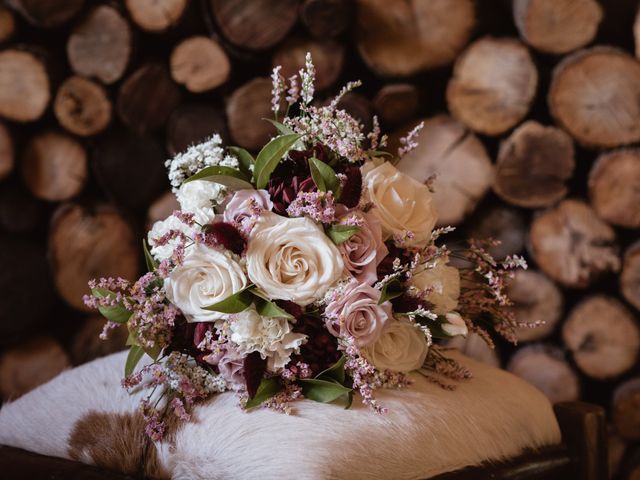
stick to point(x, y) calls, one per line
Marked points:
point(572, 245)
point(359, 107)
point(503, 224)
point(536, 299)
point(544, 367)
point(156, 15)
point(24, 86)
point(86, 244)
point(29, 365)
point(557, 26)
point(616, 449)
point(396, 103)
point(200, 64)
point(458, 159)
point(255, 25)
point(417, 35)
point(141, 157)
point(630, 276)
point(533, 166)
point(603, 111)
point(101, 45)
point(54, 166)
point(138, 103)
point(603, 336)
point(614, 187)
point(47, 14)
point(7, 24)
point(192, 123)
point(7, 160)
point(82, 106)
point(328, 58)
point(493, 84)
point(246, 108)
point(326, 18)
point(87, 344)
point(626, 409)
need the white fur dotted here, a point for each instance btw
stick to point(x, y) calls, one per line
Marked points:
point(428, 430)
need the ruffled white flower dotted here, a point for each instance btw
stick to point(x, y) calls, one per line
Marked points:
point(161, 228)
point(206, 276)
point(197, 157)
point(455, 325)
point(200, 198)
point(401, 347)
point(272, 337)
point(444, 284)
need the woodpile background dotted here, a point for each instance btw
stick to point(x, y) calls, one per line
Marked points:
point(532, 125)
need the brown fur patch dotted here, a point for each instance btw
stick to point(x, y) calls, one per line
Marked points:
point(117, 442)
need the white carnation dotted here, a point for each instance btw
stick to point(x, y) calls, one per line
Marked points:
point(200, 198)
point(271, 336)
point(161, 228)
point(197, 157)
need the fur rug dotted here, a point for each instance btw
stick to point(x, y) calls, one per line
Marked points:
point(84, 414)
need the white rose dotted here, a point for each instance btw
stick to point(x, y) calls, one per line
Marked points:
point(401, 348)
point(200, 197)
point(161, 228)
point(401, 203)
point(444, 282)
point(271, 336)
point(206, 276)
point(292, 258)
point(455, 325)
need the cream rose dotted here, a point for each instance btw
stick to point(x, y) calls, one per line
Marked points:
point(401, 203)
point(444, 284)
point(401, 348)
point(292, 258)
point(206, 276)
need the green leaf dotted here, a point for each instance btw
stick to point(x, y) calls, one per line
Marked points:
point(153, 352)
point(322, 390)
point(227, 176)
point(268, 388)
point(245, 159)
point(269, 157)
point(117, 313)
point(335, 372)
point(341, 233)
point(270, 309)
point(236, 303)
point(281, 127)
point(152, 265)
point(131, 340)
point(135, 354)
point(391, 289)
point(324, 177)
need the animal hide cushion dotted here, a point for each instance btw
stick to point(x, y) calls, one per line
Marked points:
point(84, 414)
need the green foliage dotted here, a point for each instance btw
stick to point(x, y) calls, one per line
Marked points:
point(152, 265)
point(236, 303)
point(270, 156)
point(116, 313)
point(227, 176)
point(341, 233)
point(325, 177)
point(268, 388)
point(245, 159)
point(392, 289)
point(135, 354)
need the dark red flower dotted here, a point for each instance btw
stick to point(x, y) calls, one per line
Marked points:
point(352, 189)
point(408, 303)
point(386, 265)
point(321, 350)
point(283, 191)
point(225, 235)
point(290, 307)
point(182, 336)
point(254, 368)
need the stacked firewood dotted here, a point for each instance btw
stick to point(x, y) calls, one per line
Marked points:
point(531, 113)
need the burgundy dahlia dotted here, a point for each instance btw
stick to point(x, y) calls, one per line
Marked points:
point(283, 191)
point(408, 303)
point(386, 265)
point(352, 189)
point(225, 235)
point(321, 350)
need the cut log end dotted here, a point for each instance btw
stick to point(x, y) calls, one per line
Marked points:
point(200, 64)
point(7, 24)
point(7, 160)
point(396, 103)
point(626, 409)
point(161, 208)
point(503, 224)
point(614, 187)
point(326, 18)
point(48, 14)
point(603, 336)
point(156, 15)
point(459, 161)
point(572, 245)
point(190, 124)
point(630, 276)
point(557, 26)
point(100, 46)
point(84, 245)
point(417, 35)
point(54, 166)
point(24, 86)
point(493, 84)
point(545, 368)
point(536, 300)
point(601, 112)
point(533, 166)
point(29, 365)
point(82, 106)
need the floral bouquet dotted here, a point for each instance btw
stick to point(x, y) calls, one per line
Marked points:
point(310, 271)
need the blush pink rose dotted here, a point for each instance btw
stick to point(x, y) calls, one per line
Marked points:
point(364, 251)
point(246, 204)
